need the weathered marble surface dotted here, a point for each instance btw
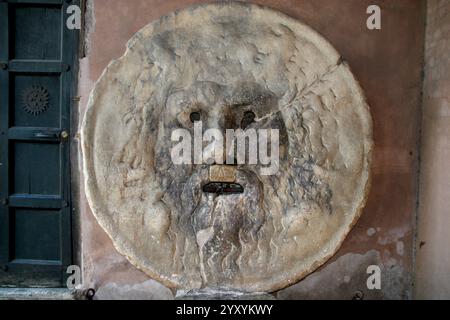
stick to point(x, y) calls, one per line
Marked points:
point(223, 60)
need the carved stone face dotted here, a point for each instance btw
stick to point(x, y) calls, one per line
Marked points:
point(230, 66)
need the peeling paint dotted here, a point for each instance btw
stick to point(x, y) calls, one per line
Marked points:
point(333, 281)
point(393, 235)
point(400, 248)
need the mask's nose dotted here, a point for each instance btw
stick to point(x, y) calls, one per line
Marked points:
point(222, 173)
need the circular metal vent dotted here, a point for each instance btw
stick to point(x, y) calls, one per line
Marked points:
point(35, 100)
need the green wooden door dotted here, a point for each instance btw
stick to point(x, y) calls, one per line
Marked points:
point(37, 54)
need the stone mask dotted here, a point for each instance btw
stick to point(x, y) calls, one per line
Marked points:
point(220, 63)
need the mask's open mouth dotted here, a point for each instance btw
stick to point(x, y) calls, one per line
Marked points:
point(223, 188)
point(222, 180)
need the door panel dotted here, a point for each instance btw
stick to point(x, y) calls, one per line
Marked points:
point(37, 54)
point(28, 41)
point(35, 231)
point(36, 168)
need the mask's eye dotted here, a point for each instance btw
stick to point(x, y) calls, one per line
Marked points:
point(195, 116)
point(248, 118)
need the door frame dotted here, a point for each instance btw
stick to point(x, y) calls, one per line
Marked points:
point(36, 273)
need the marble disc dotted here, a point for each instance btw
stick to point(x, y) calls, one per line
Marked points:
point(222, 62)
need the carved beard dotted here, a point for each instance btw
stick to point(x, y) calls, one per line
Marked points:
point(225, 234)
point(223, 227)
